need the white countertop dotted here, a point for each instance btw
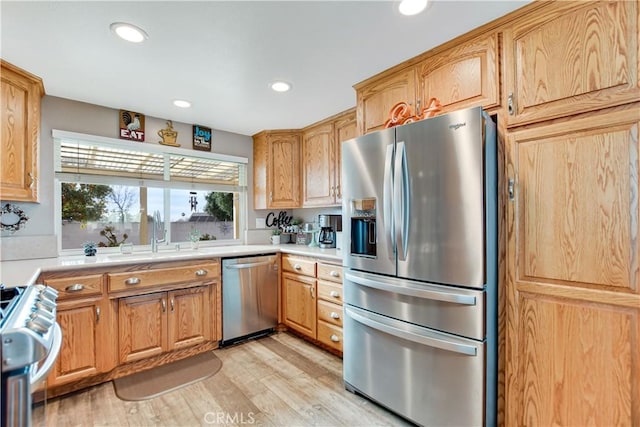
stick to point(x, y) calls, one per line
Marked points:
point(25, 272)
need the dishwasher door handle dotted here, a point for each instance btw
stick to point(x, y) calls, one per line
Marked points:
point(247, 265)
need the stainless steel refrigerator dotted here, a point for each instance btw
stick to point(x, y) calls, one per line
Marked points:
point(420, 289)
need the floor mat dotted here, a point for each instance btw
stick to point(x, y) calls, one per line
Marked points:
point(157, 381)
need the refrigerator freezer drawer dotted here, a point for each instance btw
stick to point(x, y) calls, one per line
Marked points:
point(431, 378)
point(445, 308)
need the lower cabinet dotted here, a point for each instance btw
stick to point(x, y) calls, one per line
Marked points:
point(299, 303)
point(149, 325)
point(85, 320)
point(312, 299)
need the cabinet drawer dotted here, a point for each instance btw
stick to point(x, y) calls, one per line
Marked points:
point(330, 335)
point(161, 276)
point(330, 272)
point(330, 313)
point(330, 292)
point(299, 266)
point(77, 286)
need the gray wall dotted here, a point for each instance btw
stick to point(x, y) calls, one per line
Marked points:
point(37, 239)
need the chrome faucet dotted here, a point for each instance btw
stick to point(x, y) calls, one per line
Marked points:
point(154, 237)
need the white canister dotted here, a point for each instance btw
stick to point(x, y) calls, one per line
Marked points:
point(338, 240)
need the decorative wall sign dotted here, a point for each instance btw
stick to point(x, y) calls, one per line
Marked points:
point(12, 218)
point(202, 136)
point(282, 220)
point(401, 114)
point(169, 135)
point(131, 126)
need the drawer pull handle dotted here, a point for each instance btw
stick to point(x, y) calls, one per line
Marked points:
point(334, 315)
point(76, 287)
point(164, 306)
point(334, 338)
point(334, 294)
point(334, 273)
point(132, 281)
point(297, 267)
point(97, 314)
point(201, 272)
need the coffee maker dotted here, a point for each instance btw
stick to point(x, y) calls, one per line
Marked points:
point(329, 225)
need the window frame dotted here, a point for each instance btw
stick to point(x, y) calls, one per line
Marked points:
point(166, 183)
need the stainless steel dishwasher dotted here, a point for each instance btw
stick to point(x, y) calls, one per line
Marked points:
point(249, 297)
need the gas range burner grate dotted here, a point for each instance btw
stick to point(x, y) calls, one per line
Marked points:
point(8, 299)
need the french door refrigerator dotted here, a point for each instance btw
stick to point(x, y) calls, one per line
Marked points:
point(420, 288)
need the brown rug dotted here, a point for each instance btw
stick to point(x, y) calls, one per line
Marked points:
point(163, 379)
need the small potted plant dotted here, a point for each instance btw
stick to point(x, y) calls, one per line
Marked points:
point(90, 248)
point(275, 236)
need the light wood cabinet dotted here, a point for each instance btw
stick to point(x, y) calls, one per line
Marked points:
point(312, 299)
point(152, 324)
point(345, 128)
point(299, 294)
point(463, 76)
point(85, 320)
point(322, 159)
point(276, 169)
point(375, 98)
point(573, 292)
point(319, 166)
point(20, 98)
point(571, 57)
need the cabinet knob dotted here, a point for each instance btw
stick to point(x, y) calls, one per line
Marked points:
point(297, 267)
point(334, 294)
point(334, 315)
point(201, 272)
point(132, 281)
point(76, 287)
point(97, 314)
point(334, 338)
point(334, 273)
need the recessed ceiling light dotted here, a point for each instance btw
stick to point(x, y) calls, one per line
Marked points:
point(182, 103)
point(412, 7)
point(280, 86)
point(128, 32)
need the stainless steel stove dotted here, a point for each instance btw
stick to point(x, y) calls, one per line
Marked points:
point(30, 341)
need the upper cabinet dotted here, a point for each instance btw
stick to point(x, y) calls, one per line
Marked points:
point(21, 94)
point(276, 169)
point(375, 98)
point(463, 76)
point(570, 58)
point(322, 159)
point(460, 76)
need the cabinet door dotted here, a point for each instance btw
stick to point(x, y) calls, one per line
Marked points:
point(20, 96)
point(346, 128)
point(260, 166)
point(142, 322)
point(573, 297)
point(85, 344)
point(375, 100)
point(189, 317)
point(318, 166)
point(299, 296)
point(572, 57)
point(462, 77)
point(284, 170)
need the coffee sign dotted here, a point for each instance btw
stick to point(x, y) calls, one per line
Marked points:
point(202, 136)
point(131, 126)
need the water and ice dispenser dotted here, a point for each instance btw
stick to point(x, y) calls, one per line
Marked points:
point(363, 227)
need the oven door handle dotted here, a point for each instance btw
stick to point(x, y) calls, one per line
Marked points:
point(40, 374)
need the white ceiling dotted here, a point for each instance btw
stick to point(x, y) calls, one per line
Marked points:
point(222, 56)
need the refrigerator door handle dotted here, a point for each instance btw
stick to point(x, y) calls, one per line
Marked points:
point(388, 199)
point(413, 291)
point(401, 200)
point(431, 341)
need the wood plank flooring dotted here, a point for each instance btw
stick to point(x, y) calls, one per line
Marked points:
point(279, 380)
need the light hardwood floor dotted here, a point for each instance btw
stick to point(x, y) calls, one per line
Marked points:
point(279, 380)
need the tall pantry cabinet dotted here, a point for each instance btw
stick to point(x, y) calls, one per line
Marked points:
point(573, 297)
